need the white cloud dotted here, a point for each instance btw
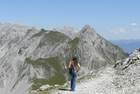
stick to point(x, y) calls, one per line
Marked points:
point(133, 24)
point(121, 30)
point(114, 31)
point(135, 29)
point(117, 31)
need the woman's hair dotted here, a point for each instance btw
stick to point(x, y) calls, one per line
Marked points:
point(75, 60)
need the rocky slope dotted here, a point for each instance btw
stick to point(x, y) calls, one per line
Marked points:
point(13, 38)
point(30, 57)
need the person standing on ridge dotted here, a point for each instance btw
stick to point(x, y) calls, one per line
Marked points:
point(76, 67)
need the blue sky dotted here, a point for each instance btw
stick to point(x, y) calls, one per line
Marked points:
point(112, 19)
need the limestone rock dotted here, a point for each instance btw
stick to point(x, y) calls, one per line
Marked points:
point(42, 88)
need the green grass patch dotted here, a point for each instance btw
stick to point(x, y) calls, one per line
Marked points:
point(46, 65)
point(53, 38)
point(42, 31)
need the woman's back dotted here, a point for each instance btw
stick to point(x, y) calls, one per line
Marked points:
point(74, 64)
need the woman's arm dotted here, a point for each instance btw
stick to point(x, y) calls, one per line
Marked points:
point(69, 64)
point(78, 67)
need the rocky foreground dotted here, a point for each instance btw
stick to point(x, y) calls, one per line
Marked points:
point(107, 82)
point(123, 79)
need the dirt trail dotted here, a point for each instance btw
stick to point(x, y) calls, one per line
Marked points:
point(101, 84)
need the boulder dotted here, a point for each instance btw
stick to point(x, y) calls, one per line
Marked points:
point(42, 88)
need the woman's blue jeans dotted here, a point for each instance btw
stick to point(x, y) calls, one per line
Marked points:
point(73, 80)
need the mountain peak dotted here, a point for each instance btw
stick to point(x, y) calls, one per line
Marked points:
point(66, 30)
point(87, 33)
point(0, 23)
point(87, 28)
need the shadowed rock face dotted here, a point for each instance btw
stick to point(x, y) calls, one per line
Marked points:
point(123, 64)
point(30, 57)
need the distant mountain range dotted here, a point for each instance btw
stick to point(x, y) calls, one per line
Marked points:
point(30, 58)
point(127, 45)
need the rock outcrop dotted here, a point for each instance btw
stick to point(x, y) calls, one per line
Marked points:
point(127, 77)
point(133, 57)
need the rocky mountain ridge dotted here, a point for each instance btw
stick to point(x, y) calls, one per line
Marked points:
point(31, 57)
point(66, 30)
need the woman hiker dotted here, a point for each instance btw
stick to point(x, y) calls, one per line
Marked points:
point(76, 66)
